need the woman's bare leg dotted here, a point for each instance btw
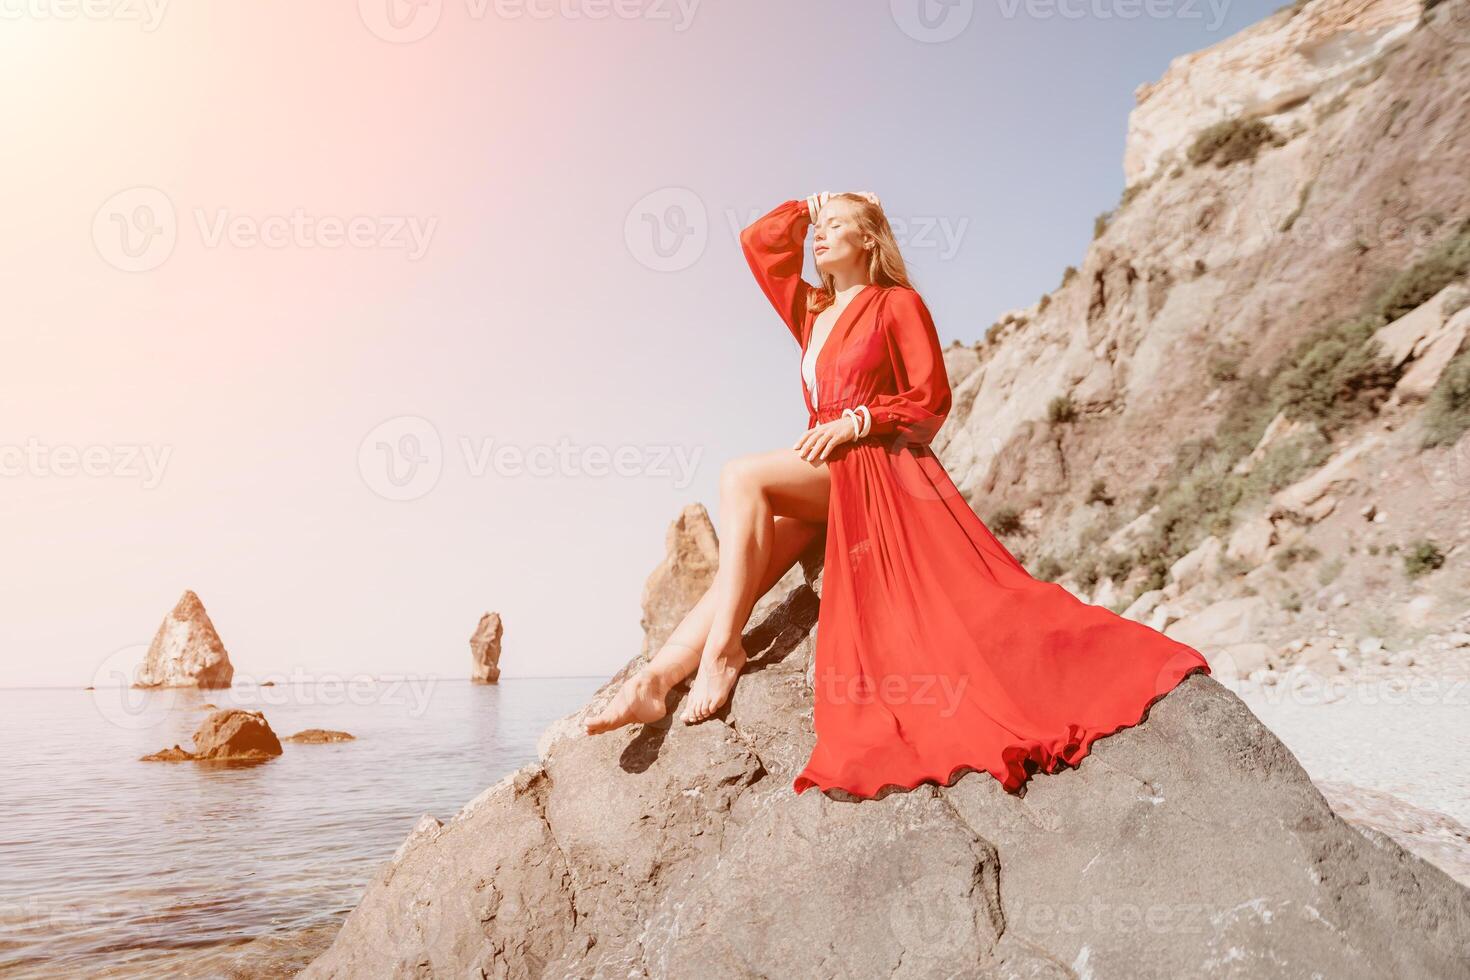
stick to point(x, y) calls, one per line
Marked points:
point(754, 489)
point(641, 698)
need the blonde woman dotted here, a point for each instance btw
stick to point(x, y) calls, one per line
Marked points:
point(936, 653)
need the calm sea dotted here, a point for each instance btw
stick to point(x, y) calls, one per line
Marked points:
point(114, 867)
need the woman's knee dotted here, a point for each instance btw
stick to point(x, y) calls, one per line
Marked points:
point(741, 476)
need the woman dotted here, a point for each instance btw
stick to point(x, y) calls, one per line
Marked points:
point(936, 653)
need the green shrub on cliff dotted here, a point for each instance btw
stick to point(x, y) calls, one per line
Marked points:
point(1422, 558)
point(1443, 264)
point(1447, 414)
point(1007, 520)
point(1061, 410)
point(1231, 141)
point(1335, 376)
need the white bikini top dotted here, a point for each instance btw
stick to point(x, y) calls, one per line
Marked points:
point(809, 371)
point(809, 359)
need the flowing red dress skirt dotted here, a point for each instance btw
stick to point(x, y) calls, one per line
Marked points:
point(937, 653)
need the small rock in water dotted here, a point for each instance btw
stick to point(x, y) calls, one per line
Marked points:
point(174, 754)
point(317, 736)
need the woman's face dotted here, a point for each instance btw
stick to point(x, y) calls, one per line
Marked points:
point(838, 241)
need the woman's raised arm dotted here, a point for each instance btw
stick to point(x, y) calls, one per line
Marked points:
point(924, 399)
point(774, 245)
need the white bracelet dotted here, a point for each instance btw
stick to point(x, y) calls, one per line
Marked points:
point(859, 428)
point(814, 204)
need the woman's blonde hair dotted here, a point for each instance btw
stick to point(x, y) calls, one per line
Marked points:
point(885, 262)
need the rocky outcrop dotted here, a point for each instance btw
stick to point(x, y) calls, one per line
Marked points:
point(318, 736)
point(1433, 836)
point(186, 651)
point(230, 735)
point(1191, 845)
point(1429, 336)
point(1271, 68)
point(485, 649)
point(691, 557)
point(1315, 496)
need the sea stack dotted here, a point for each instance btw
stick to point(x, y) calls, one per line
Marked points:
point(186, 651)
point(485, 650)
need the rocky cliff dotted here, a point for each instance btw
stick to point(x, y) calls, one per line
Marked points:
point(1255, 382)
point(1274, 68)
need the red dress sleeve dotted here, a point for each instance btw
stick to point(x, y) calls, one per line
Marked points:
point(923, 400)
point(774, 245)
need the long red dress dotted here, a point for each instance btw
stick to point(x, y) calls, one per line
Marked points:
point(936, 652)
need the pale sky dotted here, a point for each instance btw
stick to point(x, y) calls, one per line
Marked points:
point(289, 287)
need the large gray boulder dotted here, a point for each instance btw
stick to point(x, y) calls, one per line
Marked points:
point(1191, 845)
point(186, 650)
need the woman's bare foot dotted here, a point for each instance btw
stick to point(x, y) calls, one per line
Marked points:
point(640, 699)
point(714, 682)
